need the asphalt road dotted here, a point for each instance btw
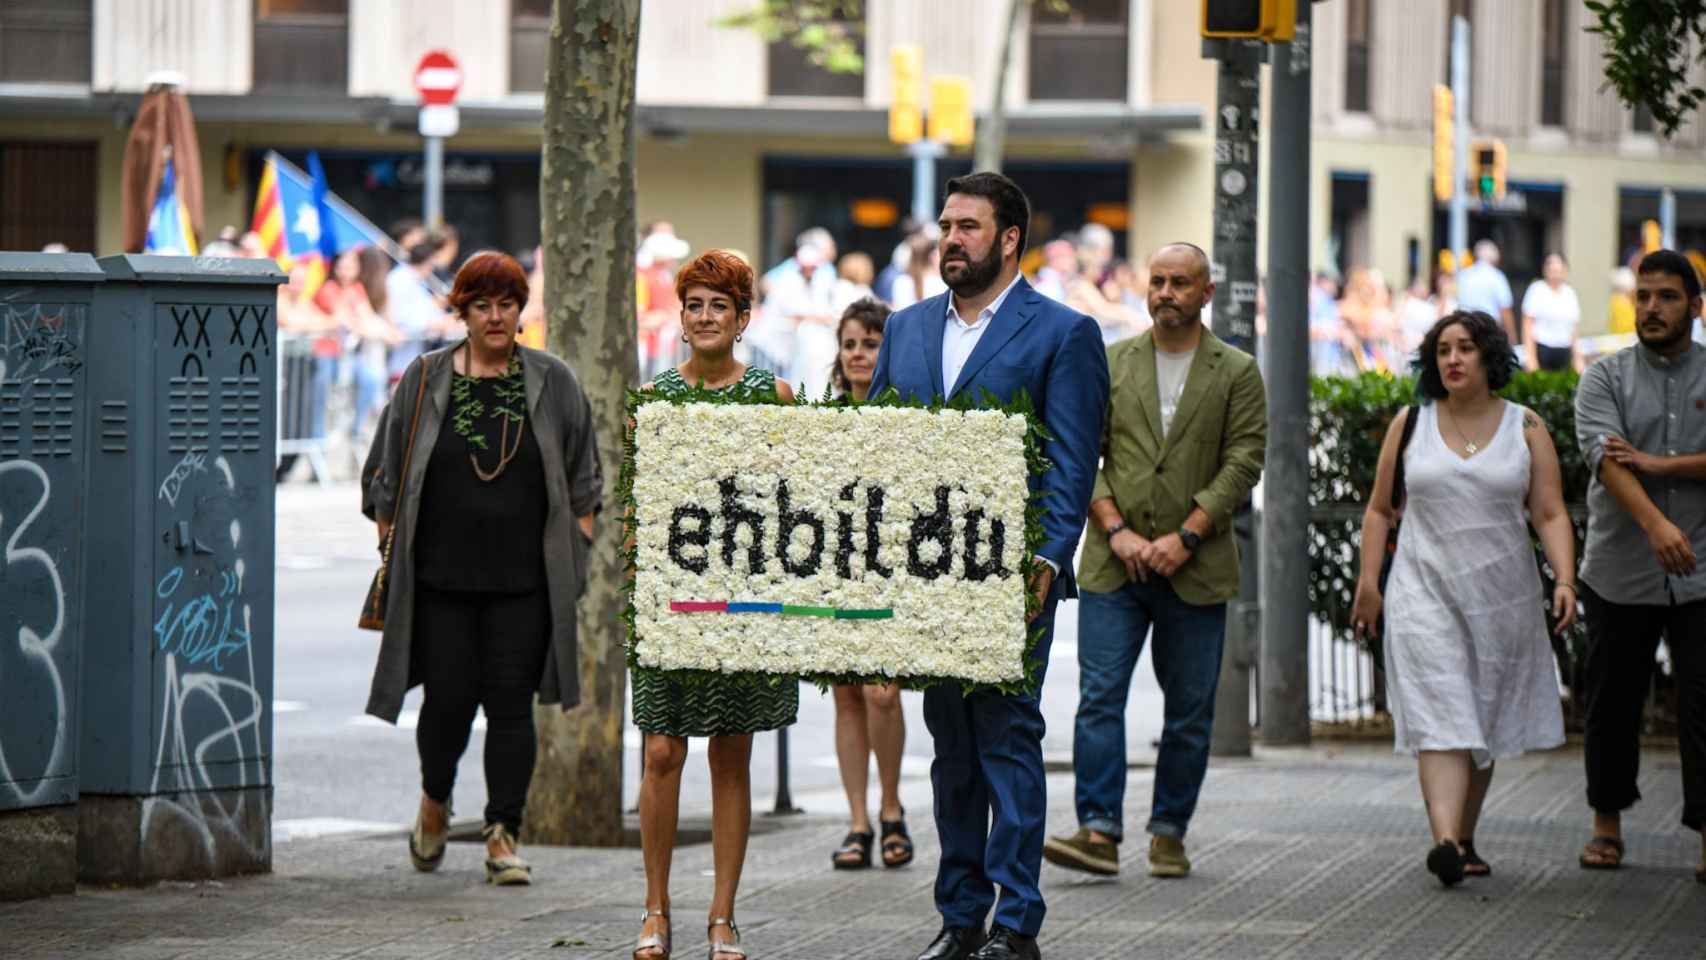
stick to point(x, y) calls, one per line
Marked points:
point(336, 770)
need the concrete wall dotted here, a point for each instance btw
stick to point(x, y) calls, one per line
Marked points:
point(208, 41)
point(387, 39)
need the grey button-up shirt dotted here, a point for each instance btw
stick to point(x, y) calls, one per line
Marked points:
point(1659, 407)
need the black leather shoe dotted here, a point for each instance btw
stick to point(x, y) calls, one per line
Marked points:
point(1005, 944)
point(953, 943)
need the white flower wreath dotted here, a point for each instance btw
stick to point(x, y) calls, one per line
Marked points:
point(754, 553)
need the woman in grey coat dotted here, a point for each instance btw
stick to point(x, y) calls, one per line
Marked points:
point(492, 525)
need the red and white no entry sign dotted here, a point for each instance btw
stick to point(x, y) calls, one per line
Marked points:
point(437, 78)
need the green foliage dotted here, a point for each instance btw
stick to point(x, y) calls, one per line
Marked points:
point(1647, 54)
point(830, 31)
point(1035, 462)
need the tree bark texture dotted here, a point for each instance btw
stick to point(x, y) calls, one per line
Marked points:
point(587, 224)
point(992, 134)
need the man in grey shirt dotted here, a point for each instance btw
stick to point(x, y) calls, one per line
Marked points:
point(1641, 424)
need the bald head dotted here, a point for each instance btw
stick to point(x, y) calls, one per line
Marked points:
point(1186, 249)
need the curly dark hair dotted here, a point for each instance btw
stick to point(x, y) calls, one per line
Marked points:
point(868, 312)
point(1490, 339)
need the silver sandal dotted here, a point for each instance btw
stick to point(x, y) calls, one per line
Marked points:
point(654, 941)
point(729, 947)
point(509, 870)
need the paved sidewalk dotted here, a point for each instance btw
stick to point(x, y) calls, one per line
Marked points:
point(1310, 853)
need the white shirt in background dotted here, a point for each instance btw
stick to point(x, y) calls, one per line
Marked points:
point(1556, 313)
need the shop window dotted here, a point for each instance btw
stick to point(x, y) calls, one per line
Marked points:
point(529, 39)
point(44, 195)
point(1080, 52)
point(45, 41)
point(302, 46)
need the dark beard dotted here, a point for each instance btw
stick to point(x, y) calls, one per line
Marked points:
point(978, 275)
point(1665, 344)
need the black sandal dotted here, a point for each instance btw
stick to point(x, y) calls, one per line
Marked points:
point(1445, 861)
point(897, 843)
point(855, 844)
point(1602, 853)
point(1473, 865)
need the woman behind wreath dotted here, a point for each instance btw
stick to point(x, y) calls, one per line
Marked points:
point(1470, 672)
point(492, 527)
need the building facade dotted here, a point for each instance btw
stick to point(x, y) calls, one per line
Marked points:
point(743, 143)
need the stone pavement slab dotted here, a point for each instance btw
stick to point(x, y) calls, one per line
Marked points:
point(1310, 853)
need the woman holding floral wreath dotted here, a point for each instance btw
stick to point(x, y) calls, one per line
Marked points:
point(715, 291)
point(486, 465)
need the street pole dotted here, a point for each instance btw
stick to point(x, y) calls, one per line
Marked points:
point(433, 201)
point(1667, 218)
point(1284, 676)
point(924, 154)
point(1459, 217)
point(1236, 140)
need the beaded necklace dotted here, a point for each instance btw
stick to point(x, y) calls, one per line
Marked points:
point(467, 409)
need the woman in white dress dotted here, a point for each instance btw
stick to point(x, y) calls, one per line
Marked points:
point(1469, 668)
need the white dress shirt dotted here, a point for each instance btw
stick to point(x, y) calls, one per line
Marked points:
point(960, 338)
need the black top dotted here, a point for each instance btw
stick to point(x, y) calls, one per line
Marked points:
point(474, 535)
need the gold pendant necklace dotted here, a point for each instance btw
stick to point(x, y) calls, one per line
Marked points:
point(1469, 446)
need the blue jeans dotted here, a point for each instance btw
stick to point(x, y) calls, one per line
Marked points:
point(1188, 643)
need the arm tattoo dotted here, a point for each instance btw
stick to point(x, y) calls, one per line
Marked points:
point(1530, 421)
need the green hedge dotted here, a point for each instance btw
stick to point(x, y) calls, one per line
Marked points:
point(1348, 418)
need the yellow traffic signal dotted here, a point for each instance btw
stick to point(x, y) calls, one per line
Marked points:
point(950, 111)
point(1445, 131)
point(1490, 169)
point(1269, 20)
point(906, 109)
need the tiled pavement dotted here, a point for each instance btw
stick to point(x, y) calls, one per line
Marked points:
point(1310, 853)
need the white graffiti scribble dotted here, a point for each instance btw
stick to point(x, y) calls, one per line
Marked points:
point(33, 645)
point(41, 342)
point(192, 463)
point(181, 792)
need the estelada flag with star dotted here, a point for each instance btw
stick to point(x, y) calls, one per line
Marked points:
point(300, 220)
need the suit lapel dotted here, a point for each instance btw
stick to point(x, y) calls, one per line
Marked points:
point(935, 321)
point(1016, 311)
point(1196, 383)
point(1143, 380)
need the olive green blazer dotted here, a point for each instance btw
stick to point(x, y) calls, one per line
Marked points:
point(1211, 458)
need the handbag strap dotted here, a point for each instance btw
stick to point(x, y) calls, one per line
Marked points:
point(414, 425)
point(1412, 414)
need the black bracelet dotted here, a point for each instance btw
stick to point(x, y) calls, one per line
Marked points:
point(1116, 528)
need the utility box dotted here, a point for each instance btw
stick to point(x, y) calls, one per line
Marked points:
point(177, 675)
point(45, 305)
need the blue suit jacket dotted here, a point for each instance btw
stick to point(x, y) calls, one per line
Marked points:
point(1034, 344)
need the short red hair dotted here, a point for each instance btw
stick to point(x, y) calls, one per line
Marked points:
point(488, 275)
point(721, 271)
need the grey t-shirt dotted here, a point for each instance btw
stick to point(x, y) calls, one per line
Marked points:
point(1659, 407)
point(1171, 370)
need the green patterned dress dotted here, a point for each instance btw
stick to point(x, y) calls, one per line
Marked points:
point(718, 706)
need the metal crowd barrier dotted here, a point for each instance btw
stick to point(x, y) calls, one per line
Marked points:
point(298, 432)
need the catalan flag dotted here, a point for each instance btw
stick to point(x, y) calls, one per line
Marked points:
point(299, 219)
point(169, 230)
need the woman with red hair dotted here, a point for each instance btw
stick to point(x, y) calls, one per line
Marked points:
point(715, 290)
point(485, 474)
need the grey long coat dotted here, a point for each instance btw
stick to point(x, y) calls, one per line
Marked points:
point(561, 419)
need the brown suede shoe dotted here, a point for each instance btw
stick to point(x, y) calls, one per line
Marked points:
point(1081, 852)
point(1167, 857)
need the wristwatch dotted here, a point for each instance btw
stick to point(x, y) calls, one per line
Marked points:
point(1189, 538)
point(1116, 528)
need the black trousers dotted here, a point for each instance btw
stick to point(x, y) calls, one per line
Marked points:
point(1554, 358)
point(480, 650)
point(1622, 640)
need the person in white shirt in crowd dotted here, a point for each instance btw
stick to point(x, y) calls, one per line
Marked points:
point(817, 237)
point(801, 308)
point(1416, 316)
point(1550, 316)
point(1326, 327)
point(923, 277)
point(1059, 272)
point(1483, 286)
point(416, 314)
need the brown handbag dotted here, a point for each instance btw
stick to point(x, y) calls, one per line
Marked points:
point(379, 592)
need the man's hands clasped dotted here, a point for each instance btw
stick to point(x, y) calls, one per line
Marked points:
point(1162, 556)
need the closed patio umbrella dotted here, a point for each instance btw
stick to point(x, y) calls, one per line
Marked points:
point(163, 127)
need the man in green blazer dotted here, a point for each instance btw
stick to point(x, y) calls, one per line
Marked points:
point(1185, 438)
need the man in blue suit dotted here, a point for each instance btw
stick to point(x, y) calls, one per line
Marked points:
point(992, 332)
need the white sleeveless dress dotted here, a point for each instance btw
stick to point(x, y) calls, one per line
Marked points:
point(1468, 662)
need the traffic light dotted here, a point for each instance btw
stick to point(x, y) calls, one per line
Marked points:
point(1445, 131)
point(906, 111)
point(1269, 20)
point(1490, 169)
